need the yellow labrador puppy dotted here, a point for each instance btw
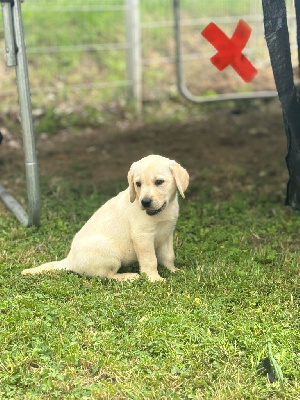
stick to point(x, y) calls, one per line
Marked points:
point(136, 225)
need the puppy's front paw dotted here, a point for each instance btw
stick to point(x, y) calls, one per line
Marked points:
point(174, 269)
point(155, 278)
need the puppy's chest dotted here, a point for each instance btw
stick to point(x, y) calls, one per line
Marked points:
point(163, 231)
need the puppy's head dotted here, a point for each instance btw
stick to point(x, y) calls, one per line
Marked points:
point(153, 182)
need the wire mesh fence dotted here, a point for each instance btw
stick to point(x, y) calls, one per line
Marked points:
point(75, 51)
point(201, 76)
point(78, 52)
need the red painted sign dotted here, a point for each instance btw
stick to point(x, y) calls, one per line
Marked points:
point(230, 50)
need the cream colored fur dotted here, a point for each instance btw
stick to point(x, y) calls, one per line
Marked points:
point(123, 231)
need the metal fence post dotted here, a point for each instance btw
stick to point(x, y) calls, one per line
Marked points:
point(133, 56)
point(16, 55)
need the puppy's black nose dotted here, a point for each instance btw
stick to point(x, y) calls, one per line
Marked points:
point(146, 202)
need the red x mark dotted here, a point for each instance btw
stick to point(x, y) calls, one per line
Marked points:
point(230, 50)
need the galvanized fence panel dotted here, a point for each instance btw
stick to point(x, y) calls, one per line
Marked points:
point(201, 77)
point(78, 50)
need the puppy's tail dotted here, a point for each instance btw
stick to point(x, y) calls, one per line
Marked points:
point(48, 267)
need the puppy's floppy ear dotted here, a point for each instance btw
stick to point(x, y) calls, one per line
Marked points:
point(181, 177)
point(132, 192)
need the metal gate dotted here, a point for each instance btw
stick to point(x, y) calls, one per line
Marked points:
point(116, 46)
point(226, 85)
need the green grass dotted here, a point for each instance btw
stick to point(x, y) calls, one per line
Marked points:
point(199, 335)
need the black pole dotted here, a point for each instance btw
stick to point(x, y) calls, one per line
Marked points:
point(277, 37)
point(297, 9)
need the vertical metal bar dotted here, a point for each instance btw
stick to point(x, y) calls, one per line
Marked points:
point(11, 51)
point(134, 51)
point(8, 27)
point(178, 59)
point(31, 166)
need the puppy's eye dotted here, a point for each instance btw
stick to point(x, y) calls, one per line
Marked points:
point(159, 182)
point(138, 184)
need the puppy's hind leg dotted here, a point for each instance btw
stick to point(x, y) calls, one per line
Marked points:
point(48, 267)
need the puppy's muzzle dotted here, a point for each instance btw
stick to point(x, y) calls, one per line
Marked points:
point(147, 203)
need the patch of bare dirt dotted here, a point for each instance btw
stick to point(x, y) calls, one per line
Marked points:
point(224, 151)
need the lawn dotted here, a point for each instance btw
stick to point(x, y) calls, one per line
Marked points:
point(200, 334)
